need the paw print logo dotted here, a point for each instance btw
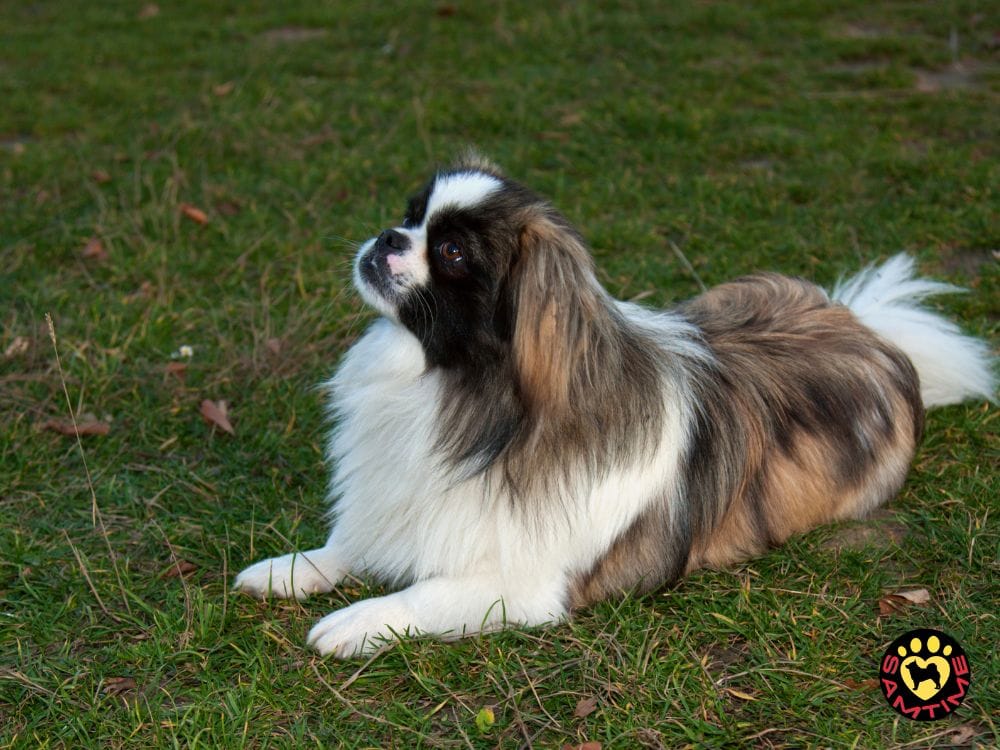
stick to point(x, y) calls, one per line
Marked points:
point(925, 675)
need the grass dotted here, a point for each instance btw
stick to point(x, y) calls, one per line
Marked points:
point(806, 137)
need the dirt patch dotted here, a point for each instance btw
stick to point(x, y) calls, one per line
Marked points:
point(292, 34)
point(863, 31)
point(878, 532)
point(957, 77)
point(969, 263)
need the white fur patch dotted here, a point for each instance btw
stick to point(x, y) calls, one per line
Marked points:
point(296, 575)
point(952, 366)
point(474, 561)
point(460, 190)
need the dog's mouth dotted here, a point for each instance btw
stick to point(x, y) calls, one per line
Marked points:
point(375, 282)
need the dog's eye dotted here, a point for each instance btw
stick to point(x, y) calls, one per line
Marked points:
point(450, 251)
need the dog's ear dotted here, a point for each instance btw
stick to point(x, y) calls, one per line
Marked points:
point(558, 310)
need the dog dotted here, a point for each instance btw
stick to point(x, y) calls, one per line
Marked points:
point(919, 674)
point(512, 444)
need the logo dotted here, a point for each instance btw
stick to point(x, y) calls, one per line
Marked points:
point(925, 675)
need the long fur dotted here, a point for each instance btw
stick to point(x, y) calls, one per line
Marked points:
point(512, 443)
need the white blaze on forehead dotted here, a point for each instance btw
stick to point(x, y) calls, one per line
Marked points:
point(461, 190)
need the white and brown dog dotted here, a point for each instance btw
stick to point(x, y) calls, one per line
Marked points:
point(511, 443)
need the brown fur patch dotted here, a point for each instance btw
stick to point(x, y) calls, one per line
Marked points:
point(583, 374)
point(806, 417)
point(829, 414)
point(638, 561)
point(557, 311)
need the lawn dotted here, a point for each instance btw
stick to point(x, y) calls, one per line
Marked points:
point(189, 179)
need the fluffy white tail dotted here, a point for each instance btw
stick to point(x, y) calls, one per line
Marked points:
point(952, 366)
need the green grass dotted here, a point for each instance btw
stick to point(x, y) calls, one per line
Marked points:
point(807, 137)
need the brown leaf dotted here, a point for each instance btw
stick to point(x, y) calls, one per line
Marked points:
point(194, 213)
point(915, 596)
point(217, 415)
point(177, 369)
point(150, 10)
point(94, 250)
point(585, 746)
point(85, 427)
point(273, 346)
point(100, 176)
point(585, 707)
point(223, 89)
point(179, 569)
point(446, 10)
point(892, 603)
point(117, 685)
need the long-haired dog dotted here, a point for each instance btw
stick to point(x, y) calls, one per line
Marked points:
point(512, 443)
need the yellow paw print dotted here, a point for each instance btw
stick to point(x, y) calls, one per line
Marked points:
point(923, 669)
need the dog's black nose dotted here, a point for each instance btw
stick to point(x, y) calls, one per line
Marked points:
point(392, 240)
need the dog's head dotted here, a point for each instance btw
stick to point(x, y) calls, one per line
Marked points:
point(487, 274)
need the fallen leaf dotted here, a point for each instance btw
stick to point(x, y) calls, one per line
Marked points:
point(217, 415)
point(223, 89)
point(117, 685)
point(892, 603)
point(739, 694)
point(446, 11)
point(16, 347)
point(888, 605)
point(585, 707)
point(179, 569)
point(84, 427)
point(194, 213)
point(150, 10)
point(177, 369)
point(915, 596)
point(100, 176)
point(585, 746)
point(94, 250)
point(274, 346)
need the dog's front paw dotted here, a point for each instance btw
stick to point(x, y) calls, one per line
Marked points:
point(362, 627)
point(296, 575)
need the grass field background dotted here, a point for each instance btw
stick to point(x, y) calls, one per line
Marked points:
point(193, 174)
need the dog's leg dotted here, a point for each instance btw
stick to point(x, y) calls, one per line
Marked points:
point(298, 574)
point(445, 607)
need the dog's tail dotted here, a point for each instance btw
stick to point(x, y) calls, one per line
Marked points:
point(952, 366)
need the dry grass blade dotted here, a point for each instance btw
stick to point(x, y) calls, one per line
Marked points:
point(95, 512)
